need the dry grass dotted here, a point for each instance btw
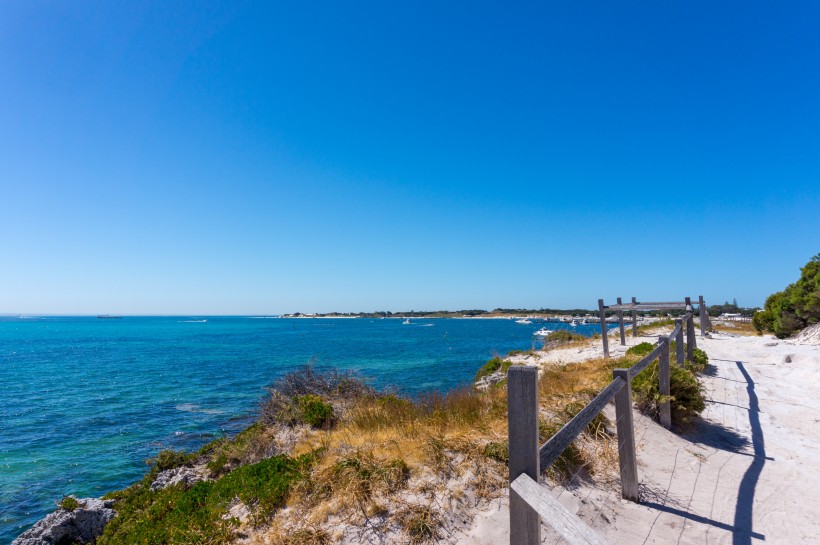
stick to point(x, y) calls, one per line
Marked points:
point(388, 453)
point(738, 328)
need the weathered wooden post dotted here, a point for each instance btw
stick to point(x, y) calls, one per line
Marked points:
point(634, 318)
point(522, 421)
point(688, 301)
point(691, 343)
point(621, 323)
point(702, 316)
point(602, 313)
point(679, 342)
point(626, 437)
point(663, 378)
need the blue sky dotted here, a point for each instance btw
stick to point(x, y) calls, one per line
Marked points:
point(200, 158)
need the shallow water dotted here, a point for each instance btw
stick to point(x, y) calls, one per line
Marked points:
point(87, 400)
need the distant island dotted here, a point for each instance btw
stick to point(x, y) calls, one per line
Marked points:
point(715, 310)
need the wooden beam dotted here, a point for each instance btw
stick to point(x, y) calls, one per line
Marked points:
point(626, 438)
point(634, 319)
point(603, 327)
point(567, 524)
point(691, 343)
point(647, 306)
point(679, 357)
point(645, 361)
point(663, 380)
point(522, 421)
point(621, 323)
point(552, 449)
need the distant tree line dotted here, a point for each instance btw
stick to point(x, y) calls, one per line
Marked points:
point(731, 308)
point(794, 308)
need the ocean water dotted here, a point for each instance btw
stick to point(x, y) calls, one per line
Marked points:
point(86, 401)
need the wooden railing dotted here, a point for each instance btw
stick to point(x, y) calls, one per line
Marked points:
point(529, 502)
point(619, 308)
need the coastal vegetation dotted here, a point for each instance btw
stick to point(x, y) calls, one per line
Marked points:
point(796, 307)
point(492, 366)
point(353, 463)
point(331, 448)
point(69, 503)
point(686, 392)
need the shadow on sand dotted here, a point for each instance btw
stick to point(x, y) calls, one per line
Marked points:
point(719, 437)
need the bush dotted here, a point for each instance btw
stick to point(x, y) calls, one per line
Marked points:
point(293, 397)
point(168, 459)
point(314, 411)
point(562, 337)
point(498, 451)
point(175, 516)
point(69, 503)
point(787, 312)
point(641, 350)
point(700, 363)
point(686, 397)
point(493, 365)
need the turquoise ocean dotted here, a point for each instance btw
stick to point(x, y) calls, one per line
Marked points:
point(86, 400)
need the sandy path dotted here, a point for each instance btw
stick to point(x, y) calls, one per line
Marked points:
point(748, 472)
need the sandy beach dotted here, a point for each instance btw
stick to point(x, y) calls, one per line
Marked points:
point(744, 473)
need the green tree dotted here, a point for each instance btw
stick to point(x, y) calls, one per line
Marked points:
point(794, 308)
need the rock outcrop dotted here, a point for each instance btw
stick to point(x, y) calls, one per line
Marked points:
point(187, 476)
point(488, 381)
point(83, 524)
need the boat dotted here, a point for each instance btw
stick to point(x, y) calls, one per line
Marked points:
point(523, 321)
point(543, 332)
point(407, 321)
point(574, 323)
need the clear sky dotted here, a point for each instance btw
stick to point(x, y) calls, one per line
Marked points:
point(270, 157)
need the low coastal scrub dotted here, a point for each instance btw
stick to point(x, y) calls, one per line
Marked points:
point(176, 515)
point(562, 338)
point(493, 365)
point(69, 503)
point(796, 307)
point(354, 464)
point(641, 349)
point(686, 393)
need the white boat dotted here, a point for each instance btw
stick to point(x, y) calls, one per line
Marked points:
point(543, 332)
point(523, 321)
point(574, 323)
point(407, 321)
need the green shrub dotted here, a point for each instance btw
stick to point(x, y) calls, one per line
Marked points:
point(314, 411)
point(282, 406)
point(493, 365)
point(562, 337)
point(641, 349)
point(700, 363)
point(787, 312)
point(168, 459)
point(69, 503)
point(686, 399)
point(174, 516)
point(498, 451)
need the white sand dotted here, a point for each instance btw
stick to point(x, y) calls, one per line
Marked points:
point(748, 471)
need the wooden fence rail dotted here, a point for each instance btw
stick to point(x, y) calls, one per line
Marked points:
point(635, 306)
point(528, 501)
